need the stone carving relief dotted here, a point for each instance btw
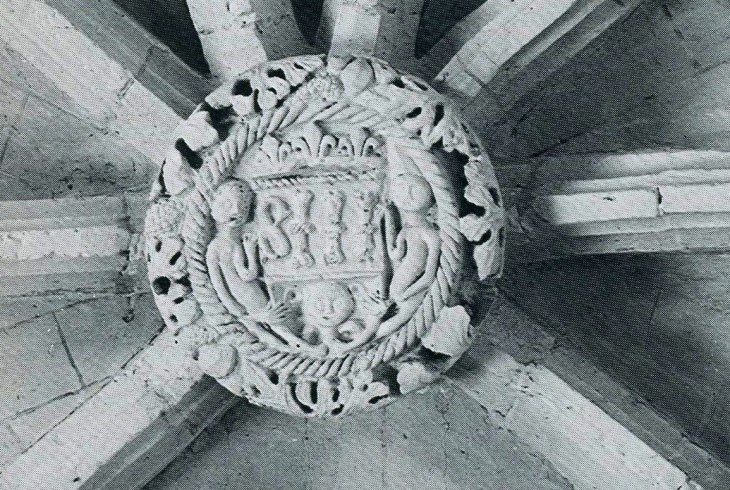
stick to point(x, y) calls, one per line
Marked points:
point(314, 226)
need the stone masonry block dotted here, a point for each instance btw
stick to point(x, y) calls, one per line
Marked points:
point(54, 153)
point(34, 367)
point(104, 334)
point(21, 432)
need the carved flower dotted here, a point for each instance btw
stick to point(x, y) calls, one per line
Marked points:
point(327, 86)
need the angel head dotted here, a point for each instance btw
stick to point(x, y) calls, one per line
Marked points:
point(232, 202)
point(327, 305)
point(411, 192)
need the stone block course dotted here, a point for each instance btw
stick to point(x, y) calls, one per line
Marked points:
point(20, 432)
point(102, 335)
point(34, 366)
point(54, 153)
point(432, 440)
point(16, 310)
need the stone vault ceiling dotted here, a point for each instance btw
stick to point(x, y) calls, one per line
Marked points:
point(607, 125)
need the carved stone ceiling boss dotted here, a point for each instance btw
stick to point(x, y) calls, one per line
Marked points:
point(319, 227)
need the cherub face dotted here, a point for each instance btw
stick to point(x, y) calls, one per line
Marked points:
point(327, 305)
point(411, 192)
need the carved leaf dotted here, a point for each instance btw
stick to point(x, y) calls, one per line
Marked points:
point(259, 388)
point(177, 307)
point(366, 392)
point(270, 148)
point(451, 332)
point(488, 257)
point(198, 132)
point(166, 258)
point(479, 195)
point(474, 227)
point(356, 77)
point(384, 73)
point(479, 173)
point(176, 173)
point(297, 70)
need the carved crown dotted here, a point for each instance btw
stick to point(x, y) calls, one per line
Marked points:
point(309, 147)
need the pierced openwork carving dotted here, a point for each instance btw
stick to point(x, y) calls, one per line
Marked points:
point(314, 228)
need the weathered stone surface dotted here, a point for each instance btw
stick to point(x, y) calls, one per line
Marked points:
point(97, 83)
point(20, 432)
point(53, 153)
point(513, 331)
point(653, 322)
point(510, 27)
point(671, 99)
point(278, 30)
point(11, 105)
point(20, 309)
point(34, 366)
point(355, 27)
point(79, 278)
point(580, 440)
point(228, 34)
point(435, 439)
point(103, 335)
point(164, 403)
point(399, 26)
point(174, 29)
point(383, 28)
